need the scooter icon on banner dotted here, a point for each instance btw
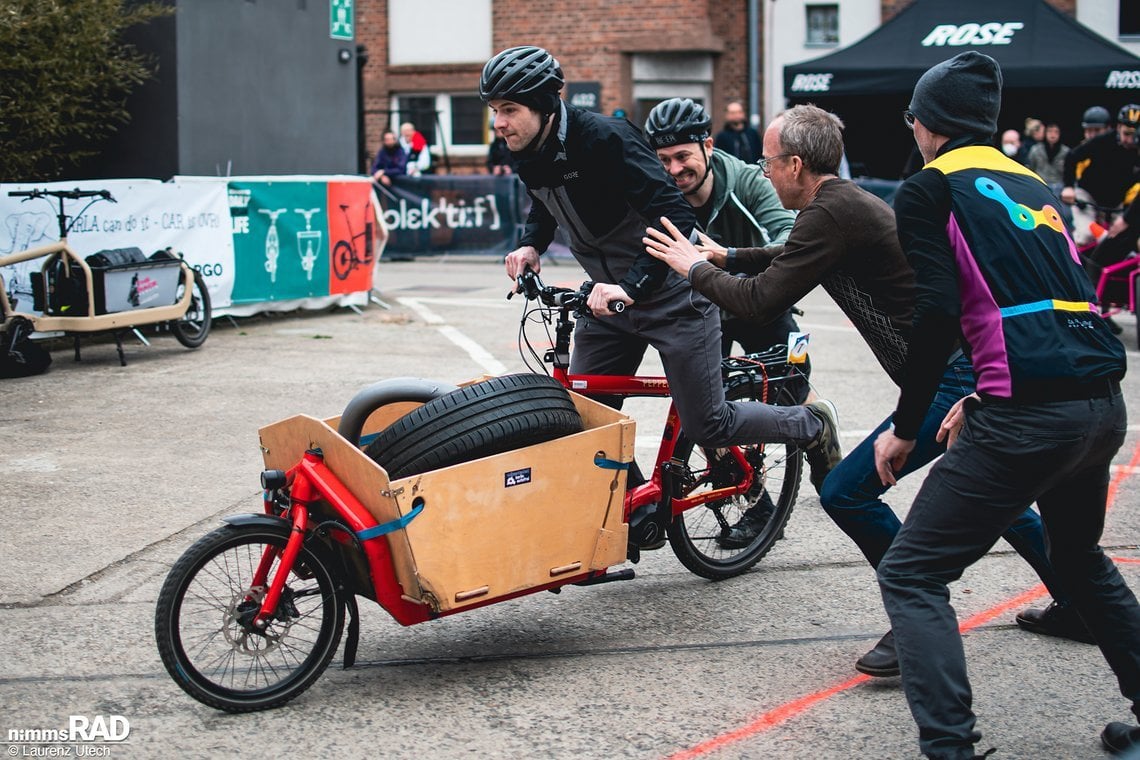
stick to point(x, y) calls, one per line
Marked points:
point(308, 241)
point(272, 242)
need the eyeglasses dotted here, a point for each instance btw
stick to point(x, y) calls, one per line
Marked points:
point(908, 118)
point(765, 164)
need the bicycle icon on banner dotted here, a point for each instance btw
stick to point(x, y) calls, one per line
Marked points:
point(345, 258)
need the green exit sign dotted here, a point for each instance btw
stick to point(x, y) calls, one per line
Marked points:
point(340, 19)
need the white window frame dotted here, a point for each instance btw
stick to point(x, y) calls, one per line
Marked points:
point(808, 8)
point(443, 106)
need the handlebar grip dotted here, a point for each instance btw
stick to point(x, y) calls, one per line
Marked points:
point(617, 307)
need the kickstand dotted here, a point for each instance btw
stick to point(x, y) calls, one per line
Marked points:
point(119, 346)
point(373, 297)
point(76, 347)
point(352, 639)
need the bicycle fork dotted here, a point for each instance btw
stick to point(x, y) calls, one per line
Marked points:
point(302, 492)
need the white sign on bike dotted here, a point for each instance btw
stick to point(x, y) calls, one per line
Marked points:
point(798, 347)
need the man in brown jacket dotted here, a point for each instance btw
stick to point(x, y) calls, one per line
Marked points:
point(845, 239)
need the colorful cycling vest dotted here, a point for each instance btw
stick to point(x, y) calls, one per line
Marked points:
point(1027, 305)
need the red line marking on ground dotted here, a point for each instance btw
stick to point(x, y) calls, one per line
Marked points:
point(789, 710)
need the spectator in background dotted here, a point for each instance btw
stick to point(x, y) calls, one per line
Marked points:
point(1034, 133)
point(499, 158)
point(1095, 122)
point(415, 145)
point(1047, 158)
point(1104, 172)
point(1011, 144)
point(737, 138)
point(391, 160)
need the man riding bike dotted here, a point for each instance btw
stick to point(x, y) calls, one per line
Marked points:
point(596, 178)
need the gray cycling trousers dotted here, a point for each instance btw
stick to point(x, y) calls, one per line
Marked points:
point(684, 327)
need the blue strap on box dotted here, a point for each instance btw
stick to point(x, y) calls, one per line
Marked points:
point(386, 528)
point(609, 464)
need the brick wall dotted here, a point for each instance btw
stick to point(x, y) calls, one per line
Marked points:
point(594, 40)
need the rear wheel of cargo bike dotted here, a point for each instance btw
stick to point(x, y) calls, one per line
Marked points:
point(478, 420)
point(192, 327)
point(203, 621)
point(696, 534)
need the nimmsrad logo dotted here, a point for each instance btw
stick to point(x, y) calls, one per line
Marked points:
point(993, 33)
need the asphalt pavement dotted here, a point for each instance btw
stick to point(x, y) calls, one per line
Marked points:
point(109, 473)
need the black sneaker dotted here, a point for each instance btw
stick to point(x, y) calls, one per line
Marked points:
point(824, 452)
point(750, 525)
point(1119, 738)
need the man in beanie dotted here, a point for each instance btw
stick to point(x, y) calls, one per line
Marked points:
point(596, 178)
point(995, 269)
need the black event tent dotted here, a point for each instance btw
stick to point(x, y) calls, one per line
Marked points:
point(1053, 67)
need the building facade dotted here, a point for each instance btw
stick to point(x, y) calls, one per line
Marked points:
point(616, 55)
point(425, 56)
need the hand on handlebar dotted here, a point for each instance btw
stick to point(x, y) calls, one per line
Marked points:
point(520, 259)
point(607, 300)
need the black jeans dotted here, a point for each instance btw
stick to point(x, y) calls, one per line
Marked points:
point(1008, 456)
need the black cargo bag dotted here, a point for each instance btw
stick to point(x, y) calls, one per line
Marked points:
point(60, 290)
point(20, 356)
point(112, 257)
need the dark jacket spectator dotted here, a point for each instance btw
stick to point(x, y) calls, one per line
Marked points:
point(391, 160)
point(737, 137)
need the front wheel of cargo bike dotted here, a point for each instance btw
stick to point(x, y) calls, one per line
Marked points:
point(203, 621)
point(490, 417)
point(694, 535)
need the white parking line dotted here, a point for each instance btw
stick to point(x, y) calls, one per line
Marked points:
point(481, 355)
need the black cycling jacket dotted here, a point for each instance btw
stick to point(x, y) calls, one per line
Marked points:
point(1108, 171)
point(597, 178)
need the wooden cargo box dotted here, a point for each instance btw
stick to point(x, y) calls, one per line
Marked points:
point(493, 526)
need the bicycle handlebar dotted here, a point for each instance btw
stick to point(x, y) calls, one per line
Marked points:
point(532, 287)
point(75, 194)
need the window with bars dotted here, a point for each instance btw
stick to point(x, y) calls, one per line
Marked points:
point(460, 119)
point(822, 24)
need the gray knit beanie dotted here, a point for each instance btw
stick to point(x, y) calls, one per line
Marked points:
point(961, 96)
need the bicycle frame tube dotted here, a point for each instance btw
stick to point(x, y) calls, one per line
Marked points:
point(654, 386)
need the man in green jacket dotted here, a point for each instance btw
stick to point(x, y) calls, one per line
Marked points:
point(735, 205)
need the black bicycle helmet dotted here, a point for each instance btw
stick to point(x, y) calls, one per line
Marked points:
point(1129, 115)
point(527, 75)
point(677, 121)
point(1097, 116)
